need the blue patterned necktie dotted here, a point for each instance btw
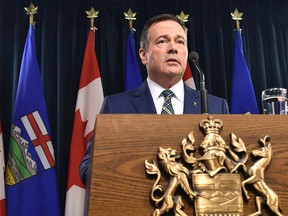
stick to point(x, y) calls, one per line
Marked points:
point(167, 107)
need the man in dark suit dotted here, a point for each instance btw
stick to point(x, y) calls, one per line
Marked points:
point(164, 52)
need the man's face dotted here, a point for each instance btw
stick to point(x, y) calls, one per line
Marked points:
point(166, 54)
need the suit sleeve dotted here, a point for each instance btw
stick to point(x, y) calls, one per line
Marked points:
point(225, 107)
point(106, 106)
point(83, 168)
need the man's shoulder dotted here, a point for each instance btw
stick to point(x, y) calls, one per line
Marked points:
point(142, 89)
point(215, 97)
point(197, 93)
point(121, 95)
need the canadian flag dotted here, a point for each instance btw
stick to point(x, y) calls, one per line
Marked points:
point(188, 77)
point(89, 101)
point(2, 169)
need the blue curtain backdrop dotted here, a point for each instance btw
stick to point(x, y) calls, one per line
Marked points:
point(61, 33)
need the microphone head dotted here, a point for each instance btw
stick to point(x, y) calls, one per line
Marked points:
point(193, 56)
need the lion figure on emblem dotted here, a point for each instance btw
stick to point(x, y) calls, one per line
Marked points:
point(178, 176)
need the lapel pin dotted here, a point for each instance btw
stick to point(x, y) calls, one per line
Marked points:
point(194, 103)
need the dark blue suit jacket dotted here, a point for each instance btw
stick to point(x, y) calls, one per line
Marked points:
point(140, 101)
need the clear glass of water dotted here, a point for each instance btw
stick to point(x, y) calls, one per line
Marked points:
point(274, 101)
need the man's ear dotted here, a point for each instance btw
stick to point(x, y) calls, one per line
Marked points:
point(143, 56)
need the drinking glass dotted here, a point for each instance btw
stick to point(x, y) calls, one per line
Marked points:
point(274, 101)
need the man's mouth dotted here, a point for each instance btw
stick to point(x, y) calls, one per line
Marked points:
point(172, 60)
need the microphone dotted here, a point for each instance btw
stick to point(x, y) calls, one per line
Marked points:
point(193, 57)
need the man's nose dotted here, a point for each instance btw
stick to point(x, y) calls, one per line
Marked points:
point(172, 48)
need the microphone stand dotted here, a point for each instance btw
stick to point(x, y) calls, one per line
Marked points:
point(203, 91)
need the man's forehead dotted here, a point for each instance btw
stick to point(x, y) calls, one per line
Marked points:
point(166, 27)
point(167, 24)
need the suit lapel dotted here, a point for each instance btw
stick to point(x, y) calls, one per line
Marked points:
point(143, 101)
point(192, 103)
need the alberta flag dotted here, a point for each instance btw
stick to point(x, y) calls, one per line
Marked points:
point(133, 77)
point(243, 98)
point(89, 101)
point(30, 178)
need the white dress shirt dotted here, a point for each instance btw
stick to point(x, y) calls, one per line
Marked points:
point(177, 101)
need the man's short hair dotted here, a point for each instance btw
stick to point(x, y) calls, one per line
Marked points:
point(156, 19)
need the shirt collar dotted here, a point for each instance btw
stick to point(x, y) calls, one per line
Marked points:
point(156, 89)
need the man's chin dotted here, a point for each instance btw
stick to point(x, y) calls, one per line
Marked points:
point(174, 73)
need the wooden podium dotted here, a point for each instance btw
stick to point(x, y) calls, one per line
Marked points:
point(118, 184)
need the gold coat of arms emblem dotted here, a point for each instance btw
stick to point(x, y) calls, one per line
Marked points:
point(217, 181)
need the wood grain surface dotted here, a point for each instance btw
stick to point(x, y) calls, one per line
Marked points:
point(119, 184)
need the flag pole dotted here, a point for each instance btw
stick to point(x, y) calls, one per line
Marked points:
point(31, 10)
point(237, 16)
point(92, 14)
point(130, 16)
point(183, 17)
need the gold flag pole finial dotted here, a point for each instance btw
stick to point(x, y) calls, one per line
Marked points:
point(92, 14)
point(237, 16)
point(129, 15)
point(183, 17)
point(31, 10)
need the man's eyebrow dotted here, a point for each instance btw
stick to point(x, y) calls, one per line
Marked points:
point(167, 36)
point(163, 36)
point(181, 36)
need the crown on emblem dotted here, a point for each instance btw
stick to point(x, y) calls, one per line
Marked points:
point(211, 125)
